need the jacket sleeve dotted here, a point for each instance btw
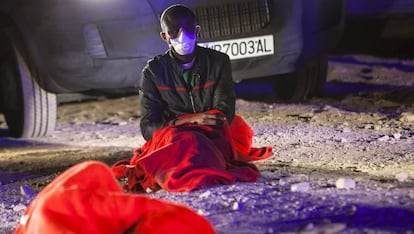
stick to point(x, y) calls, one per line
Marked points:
point(150, 104)
point(224, 96)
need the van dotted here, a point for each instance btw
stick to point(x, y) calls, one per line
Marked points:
point(60, 46)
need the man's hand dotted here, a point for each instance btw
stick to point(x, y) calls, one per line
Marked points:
point(203, 118)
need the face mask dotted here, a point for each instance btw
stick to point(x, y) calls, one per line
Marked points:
point(184, 44)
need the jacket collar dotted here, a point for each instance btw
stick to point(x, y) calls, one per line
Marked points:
point(178, 67)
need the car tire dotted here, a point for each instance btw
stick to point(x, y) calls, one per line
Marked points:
point(303, 84)
point(29, 110)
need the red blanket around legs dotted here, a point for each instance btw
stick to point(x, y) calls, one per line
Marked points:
point(86, 198)
point(190, 156)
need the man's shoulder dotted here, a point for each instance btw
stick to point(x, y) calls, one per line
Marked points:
point(157, 61)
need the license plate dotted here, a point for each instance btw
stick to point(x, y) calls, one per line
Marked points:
point(244, 47)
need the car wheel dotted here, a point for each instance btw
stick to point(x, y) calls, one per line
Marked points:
point(29, 110)
point(304, 84)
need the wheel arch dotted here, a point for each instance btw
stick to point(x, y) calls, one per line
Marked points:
point(32, 109)
point(21, 38)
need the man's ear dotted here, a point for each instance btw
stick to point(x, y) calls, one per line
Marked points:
point(198, 30)
point(163, 36)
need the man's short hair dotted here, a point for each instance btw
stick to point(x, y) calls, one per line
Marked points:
point(175, 11)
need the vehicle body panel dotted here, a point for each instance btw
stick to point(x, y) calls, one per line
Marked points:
point(378, 8)
point(81, 45)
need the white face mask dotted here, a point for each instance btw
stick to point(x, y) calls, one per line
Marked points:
point(184, 44)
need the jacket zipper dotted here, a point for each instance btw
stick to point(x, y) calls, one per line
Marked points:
point(192, 101)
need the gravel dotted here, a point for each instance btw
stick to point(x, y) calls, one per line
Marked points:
point(343, 163)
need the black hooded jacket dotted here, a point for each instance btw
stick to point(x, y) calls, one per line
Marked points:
point(165, 95)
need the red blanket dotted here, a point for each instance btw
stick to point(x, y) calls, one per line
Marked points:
point(88, 199)
point(191, 156)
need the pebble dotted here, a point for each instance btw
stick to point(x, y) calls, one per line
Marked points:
point(345, 183)
point(200, 212)
point(402, 176)
point(369, 126)
point(397, 135)
point(205, 194)
point(122, 123)
point(309, 226)
point(407, 117)
point(300, 187)
point(19, 207)
point(236, 206)
point(350, 210)
point(384, 138)
point(26, 191)
point(295, 162)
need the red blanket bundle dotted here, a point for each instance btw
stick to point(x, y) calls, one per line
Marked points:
point(191, 156)
point(88, 199)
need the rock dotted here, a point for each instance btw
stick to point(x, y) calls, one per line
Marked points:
point(26, 191)
point(345, 183)
point(236, 206)
point(324, 228)
point(200, 212)
point(309, 226)
point(350, 210)
point(19, 208)
point(407, 117)
point(205, 194)
point(368, 126)
point(300, 187)
point(295, 162)
point(122, 123)
point(397, 135)
point(402, 176)
point(384, 138)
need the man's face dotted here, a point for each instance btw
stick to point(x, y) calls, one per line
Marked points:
point(179, 31)
point(172, 26)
